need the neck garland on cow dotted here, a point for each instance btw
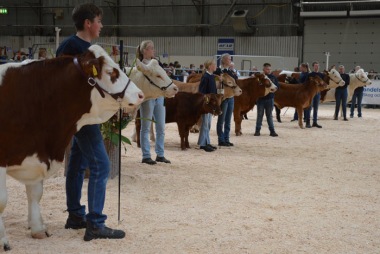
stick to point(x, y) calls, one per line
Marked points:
point(92, 82)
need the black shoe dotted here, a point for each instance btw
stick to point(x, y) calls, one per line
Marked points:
point(229, 143)
point(345, 119)
point(308, 125)
point(162, 159)
point(273, 134)
point(316, 125)
point(103, 233)
point(294, 120)
point(75, 222)
point(148, 161)
point(207, 148)
point(257, 133)
point(213, 147)
point(223, 144)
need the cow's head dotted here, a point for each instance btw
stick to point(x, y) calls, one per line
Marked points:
point(317, 81)
point(229, 85)
point(266, 82)
point(334, 79)
point(212, 103)
point(110, 81)
point(362, 77)
point(154, 82)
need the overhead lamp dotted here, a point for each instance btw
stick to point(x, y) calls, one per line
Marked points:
point(365, 13)
point(310, 14)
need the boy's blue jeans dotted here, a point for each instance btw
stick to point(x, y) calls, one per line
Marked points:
point(88, 151)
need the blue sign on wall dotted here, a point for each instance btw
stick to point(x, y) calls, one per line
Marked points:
point(225, 46)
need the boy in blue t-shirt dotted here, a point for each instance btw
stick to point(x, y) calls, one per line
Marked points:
point(87, 148)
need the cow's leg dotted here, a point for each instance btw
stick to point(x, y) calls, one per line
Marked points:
point(34, 193)
point(181, 130)
point(196, 127)
point(300, 117)
point(278, 114)
point(237, 119)
point(3, 203)
point(187, 131)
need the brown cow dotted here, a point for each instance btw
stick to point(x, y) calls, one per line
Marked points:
point(326, 78)
point(253, 88)
point(186, 109)
point(42, 105)
point(299, 96)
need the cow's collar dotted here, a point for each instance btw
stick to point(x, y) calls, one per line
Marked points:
point(152, 83)
point(364, 82)
point(335, 81)
point(92, 82)
point(224, 84)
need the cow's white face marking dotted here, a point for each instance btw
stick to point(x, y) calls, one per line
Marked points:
point(110, 68)
point(335, 79)
point(157, 75)
point(103, 109)
point(272, 88)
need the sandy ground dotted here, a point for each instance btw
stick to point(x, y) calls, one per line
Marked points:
point(306, 191)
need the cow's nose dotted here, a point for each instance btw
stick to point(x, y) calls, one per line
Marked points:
point(141, 96)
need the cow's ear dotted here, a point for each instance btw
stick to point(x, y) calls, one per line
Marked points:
point(93, 67)
point(141, 67)
point(207, 99)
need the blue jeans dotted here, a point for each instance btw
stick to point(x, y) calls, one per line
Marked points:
point(315, 105)
point(357, 97)
point(267, 106)
point(152, 108)
point(225, 119)
point(204, 132)
point(341, 97)
point(88, 150)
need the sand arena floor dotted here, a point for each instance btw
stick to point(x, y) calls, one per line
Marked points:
point(306, 191)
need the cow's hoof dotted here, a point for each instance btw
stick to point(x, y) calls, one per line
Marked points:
point(302, 127)
point(239, 133)
point(41, 235)
point(6, 247)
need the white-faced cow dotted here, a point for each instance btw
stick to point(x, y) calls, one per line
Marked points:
point(152, 80)
point(42, 105)
point(357, 79)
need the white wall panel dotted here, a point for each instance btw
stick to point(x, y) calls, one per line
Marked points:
point(350, 42)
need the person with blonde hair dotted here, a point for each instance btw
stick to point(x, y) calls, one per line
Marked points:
point(206, 86)
point(151, 108)
point(223, 126)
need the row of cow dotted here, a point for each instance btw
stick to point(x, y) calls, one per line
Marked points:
point(246, 92)
point(43, 103)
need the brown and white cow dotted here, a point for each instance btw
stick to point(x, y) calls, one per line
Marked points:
point(299, 96)
point(42, 105)
point(253, 88)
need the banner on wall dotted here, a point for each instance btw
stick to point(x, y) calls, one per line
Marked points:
point(371, 94)
point(225, 45)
